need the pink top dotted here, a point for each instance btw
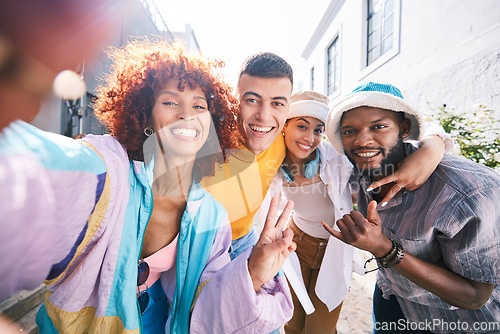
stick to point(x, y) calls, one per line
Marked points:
point(162, 260)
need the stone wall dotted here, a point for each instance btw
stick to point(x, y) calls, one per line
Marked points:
point(473, 81)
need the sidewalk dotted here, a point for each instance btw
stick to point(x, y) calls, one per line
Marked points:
point(356, 314)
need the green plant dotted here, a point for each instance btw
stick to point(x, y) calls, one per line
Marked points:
point(476, 133)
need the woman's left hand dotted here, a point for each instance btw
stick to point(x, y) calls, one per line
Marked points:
point(273, 246)
point(415, 169)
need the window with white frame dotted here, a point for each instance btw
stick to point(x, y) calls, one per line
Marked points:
point(381, 17)
point(333, 67)
point(312, 78)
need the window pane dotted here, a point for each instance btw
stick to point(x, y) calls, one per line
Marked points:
point(388, 8)
point(380, 34)
point(329, 81)
point(374, 22)
point(312, 78)
point(330, 86)
point(370, 58)
point(337, 75)
point(373, 54)
point(388, 25)
point(372, 4)
point(388, 43)
point(331, 53)
point(332, 79)
point(373, 39)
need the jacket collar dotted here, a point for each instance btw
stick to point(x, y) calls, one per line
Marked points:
point(338, 165)
point(144, 174)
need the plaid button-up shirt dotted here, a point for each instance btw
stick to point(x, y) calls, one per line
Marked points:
point(453, 221)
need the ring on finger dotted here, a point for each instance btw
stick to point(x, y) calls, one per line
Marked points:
point(400, 187)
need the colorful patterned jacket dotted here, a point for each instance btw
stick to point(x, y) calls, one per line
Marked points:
point(85, 208)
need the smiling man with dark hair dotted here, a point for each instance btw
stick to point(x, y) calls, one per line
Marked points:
point(265, 89)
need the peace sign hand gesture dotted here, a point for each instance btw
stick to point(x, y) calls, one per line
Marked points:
point(273, 246)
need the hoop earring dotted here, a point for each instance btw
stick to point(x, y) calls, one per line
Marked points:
point(148, 131)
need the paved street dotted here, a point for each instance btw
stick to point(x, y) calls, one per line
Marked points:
point(356, 314)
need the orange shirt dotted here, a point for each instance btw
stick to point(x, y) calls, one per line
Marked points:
point(242, 183)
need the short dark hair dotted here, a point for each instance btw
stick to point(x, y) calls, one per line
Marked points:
point(267, 65)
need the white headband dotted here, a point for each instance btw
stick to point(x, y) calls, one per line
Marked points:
point(309, 108)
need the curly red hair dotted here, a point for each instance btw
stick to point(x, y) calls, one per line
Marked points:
point(140, 69)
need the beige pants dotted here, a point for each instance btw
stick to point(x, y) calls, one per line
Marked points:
point(310, 251)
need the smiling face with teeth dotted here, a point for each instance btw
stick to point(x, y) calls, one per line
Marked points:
point(264, 104)
point(373, 139)
point(302, 136)
point(181, 119)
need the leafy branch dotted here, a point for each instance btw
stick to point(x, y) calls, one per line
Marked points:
point(476, 132)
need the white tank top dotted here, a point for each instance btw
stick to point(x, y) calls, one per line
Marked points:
point(312, 205)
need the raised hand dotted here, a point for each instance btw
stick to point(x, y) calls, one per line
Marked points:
point(365, 234)
point(414, 169)
point(273, 246)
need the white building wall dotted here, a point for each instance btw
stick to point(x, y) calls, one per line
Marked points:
point(449, 52)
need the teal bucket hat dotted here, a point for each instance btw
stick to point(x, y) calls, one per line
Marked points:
point(376, 95)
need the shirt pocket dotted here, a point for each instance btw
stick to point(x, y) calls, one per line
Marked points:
point(424, 249)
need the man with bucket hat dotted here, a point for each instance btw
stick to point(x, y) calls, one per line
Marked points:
point(437, 247)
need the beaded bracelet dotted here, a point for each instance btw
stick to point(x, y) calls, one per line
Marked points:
point(399, 256)
point(393, 257)
point(382, 261)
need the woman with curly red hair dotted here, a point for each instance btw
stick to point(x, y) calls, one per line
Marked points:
point(140, 245)
point(125, 101)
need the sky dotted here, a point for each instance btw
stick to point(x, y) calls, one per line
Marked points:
point(233, 30)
